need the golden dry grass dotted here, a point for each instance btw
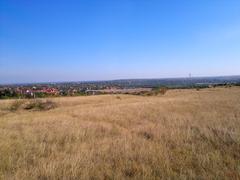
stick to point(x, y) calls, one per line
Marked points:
point(185, 134)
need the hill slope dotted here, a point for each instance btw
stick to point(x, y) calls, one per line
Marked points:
point(183, 134)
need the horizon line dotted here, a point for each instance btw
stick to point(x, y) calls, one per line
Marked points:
point(120, 79)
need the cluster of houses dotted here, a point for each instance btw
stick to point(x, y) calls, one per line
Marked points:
point(40, 91)
point(64, 89)
point(31, 92)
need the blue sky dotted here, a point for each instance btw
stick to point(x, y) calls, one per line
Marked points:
point(75, 40)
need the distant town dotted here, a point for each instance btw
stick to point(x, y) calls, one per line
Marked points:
point(130, 86)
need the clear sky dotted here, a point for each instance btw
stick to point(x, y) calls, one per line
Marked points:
point(75, 40)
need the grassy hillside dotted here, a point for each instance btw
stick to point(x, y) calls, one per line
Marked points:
point(182, 134)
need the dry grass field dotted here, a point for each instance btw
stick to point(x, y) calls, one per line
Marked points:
point(184, 134)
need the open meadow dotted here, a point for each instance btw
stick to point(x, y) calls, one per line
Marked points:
point(184, 134)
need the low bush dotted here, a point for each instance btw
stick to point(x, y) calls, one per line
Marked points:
point(15, 105)
point(39, 105)
point(163, 90)
point(156, 91)
point(118, 97)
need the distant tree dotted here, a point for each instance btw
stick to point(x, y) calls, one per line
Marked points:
point(40, 95)
point(7, 93)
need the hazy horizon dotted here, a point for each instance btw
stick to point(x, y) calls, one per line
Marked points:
point(122, 79)
point(42, 41)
